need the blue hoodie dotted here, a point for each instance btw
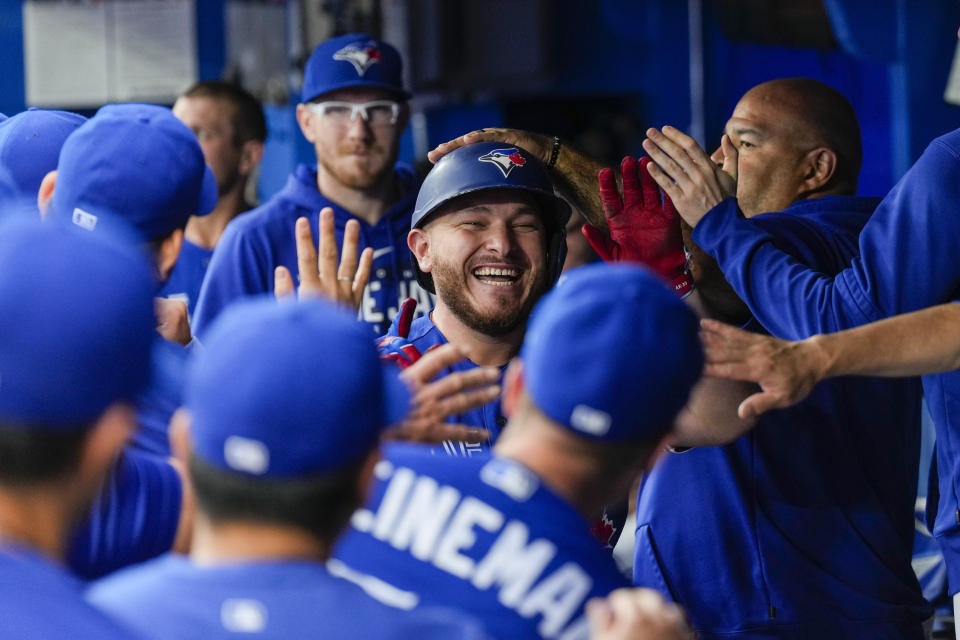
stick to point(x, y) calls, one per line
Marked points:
point(907, 260)
point(803, 527)
point(256, 243)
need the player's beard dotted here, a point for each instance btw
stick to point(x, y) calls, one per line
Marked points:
point(357, 179)
point(227, 183)
point(496, 323)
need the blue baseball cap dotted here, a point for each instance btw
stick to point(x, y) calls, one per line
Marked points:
point(76, 323)
point(612, 353)
point(30, 143)
point(353, 60)
point(136, 163)
point(289, 390)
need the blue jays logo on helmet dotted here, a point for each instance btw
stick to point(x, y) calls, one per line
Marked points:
point(505, 159)
point(360, 55)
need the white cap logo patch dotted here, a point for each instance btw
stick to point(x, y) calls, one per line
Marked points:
point(361, 56)
point(590, 420)
point(244, 454)
point(84, 219)
point(243, 616)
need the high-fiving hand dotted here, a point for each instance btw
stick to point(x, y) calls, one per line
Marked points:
point(643, 226)
point(320, 275)
point(686, 173)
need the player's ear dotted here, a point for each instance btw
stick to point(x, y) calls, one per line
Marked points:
point(512, 386)
point(402, 119)
point(250, 155)
point(305, 118)
point(168, 252)
point(820, 166)
point(110, 432)
point(419, 242)
point(179, 434)
point(45, 194)
point(365, 477)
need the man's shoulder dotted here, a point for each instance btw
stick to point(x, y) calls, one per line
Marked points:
point(293, 596)
point(821, 232)
point(37, 600)
point(280, 210)
point(134, 584)
point(500, 482)
point(424, 333)
point(827, 208)
point(949, 142)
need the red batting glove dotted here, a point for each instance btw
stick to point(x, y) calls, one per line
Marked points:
point(643, 228)
point(397, 348)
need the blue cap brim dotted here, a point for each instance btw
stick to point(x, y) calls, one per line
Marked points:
point(396, 395)
point(401, 94)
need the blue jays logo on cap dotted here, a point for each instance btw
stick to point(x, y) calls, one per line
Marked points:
point(360, 55)
point(505, 159)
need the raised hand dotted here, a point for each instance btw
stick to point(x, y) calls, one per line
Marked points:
point(786, 371)
point(320, 274)
point(536, 143)
point(173, 323)
point(433, 401)
point(636, 614)
point(686, 173)
point(643, 227)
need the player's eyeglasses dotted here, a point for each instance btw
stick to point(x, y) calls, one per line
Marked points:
point(376, 113)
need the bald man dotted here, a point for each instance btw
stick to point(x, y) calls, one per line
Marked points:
point(803, 526)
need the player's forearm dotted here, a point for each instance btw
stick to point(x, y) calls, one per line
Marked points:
point(918, 343)
point(710, 417)
point(577, 174)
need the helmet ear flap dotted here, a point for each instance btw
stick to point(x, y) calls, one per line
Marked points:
point(556, 253)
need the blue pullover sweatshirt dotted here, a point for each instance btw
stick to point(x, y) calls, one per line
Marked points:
point(803, 527)
point(907, 259)
point(259, 241)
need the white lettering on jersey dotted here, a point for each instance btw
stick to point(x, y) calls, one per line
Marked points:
point(460, 448)
point(557, 597)
point(392, 502)
point(433, 524)
point(369, 305)
point(513, 564)
point(460, 535)
point(423, 518)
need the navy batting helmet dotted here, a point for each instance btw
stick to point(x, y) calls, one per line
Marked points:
point(492, 165)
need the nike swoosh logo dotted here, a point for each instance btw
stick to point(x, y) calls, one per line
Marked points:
point(381, 252)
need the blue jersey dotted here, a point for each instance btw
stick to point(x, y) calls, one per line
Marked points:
point(172, 597)
point(425, 335)
point(803, 527)
point(906, 260)
point(187, 275)
point(257, 242)
point(482, 534)
point(162, 396)
point(38, 601)
point(134, 517)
